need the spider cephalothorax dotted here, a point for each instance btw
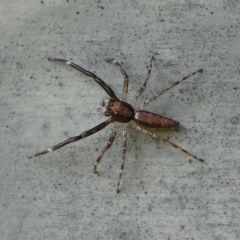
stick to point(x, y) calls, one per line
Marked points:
point(120, 111)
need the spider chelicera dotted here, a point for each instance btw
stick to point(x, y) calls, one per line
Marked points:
point(121, 113)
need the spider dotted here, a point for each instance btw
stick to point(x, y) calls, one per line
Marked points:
point(121, 113)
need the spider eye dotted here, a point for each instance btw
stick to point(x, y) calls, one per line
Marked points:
point(107, 114)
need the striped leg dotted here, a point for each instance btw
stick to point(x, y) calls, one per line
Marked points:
point(109, 144)
point(126, 79)
point(158, 94)
point(140, 91)
point(124, 146)
point(76, 138)
point(154, 135)
point(106, 88)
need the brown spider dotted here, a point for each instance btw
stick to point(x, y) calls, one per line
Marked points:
point(122, 112)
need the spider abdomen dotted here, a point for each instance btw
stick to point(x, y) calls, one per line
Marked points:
point(153, 120)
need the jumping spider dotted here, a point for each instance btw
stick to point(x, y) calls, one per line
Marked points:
point(120, 113)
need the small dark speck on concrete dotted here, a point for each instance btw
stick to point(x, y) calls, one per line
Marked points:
point(77, 12)
point(235, 120)
point(45, 126)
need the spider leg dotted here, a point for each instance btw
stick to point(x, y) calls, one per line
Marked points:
point(126, 79)
point(124, 147)
point(154, 135)
point(105, 87)
point(109, 144)
point(76, 138)
point(158, 94)
point(140, 91)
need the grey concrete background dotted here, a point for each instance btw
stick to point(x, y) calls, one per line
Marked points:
point(164, 194)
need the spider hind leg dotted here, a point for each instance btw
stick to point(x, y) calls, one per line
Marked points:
point(154, 135)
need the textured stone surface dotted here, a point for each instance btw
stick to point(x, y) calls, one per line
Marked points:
point(164, 194)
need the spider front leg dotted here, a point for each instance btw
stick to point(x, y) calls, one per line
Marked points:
point(124, 150)
point(154, 135)
point(142, 88)
point(126, 79)
point(109, 144)
point(76, 138)
point(106, 88)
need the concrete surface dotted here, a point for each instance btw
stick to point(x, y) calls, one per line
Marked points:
point(164, 194)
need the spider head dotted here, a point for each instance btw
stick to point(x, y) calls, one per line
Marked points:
point(120, 111)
